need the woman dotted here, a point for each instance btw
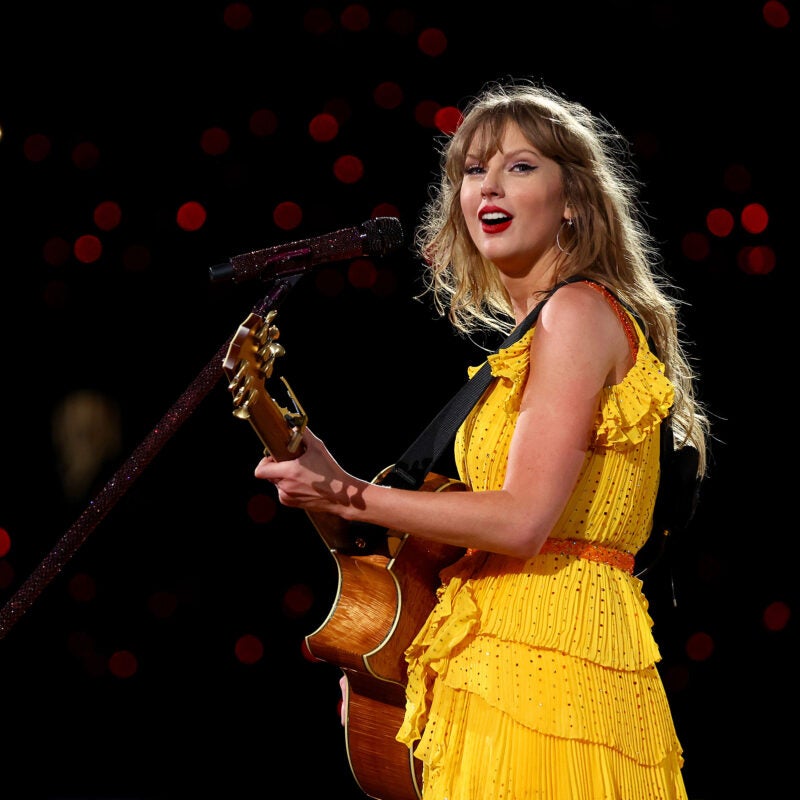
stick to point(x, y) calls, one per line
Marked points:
point(534, 676)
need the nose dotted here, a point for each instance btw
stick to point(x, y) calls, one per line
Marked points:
point(490, 185)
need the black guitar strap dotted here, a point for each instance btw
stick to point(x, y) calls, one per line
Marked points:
point(410, 469)
point(679, 486)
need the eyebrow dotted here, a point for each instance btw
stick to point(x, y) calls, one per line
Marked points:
point(512, 154)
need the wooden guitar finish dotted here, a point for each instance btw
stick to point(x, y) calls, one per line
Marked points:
point(386, 587)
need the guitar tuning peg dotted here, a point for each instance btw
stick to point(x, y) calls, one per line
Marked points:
point(267, 356)
point(242, 401)
point(271, 351)
point(267, 333)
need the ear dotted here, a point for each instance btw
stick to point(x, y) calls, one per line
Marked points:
point(567, 213)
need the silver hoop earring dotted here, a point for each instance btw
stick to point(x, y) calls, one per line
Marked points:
point(569, 223)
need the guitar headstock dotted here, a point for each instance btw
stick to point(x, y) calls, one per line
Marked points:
point(249, 365)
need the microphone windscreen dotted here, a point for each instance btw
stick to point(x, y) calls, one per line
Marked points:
point(383, 235)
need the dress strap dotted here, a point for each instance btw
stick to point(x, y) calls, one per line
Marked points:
point(622, 316)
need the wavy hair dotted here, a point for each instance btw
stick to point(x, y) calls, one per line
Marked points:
point(608, 240)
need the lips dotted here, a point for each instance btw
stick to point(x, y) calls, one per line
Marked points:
point(495, 220)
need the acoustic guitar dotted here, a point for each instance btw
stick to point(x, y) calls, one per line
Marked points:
point(386, 585)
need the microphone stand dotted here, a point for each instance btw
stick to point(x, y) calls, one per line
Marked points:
point(24, 597)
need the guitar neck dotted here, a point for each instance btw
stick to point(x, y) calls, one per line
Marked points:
point(249, 365)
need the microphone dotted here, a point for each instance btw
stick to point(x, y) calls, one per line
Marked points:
point(375, 237)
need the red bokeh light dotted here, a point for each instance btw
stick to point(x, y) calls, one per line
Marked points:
point(191, 216)
point(754, 218)
point(249, 649)
point(37, 147)
point(432, 42)
point(323, 128)
point(237, 16)
point(348, 169)
point(355, 18)
point(82, 587)
point(719, 221)
point(361, 273)
point(261, 509)
point(388, 95)
point(776, 616)
point(123, 664)
point(447, 119)
point(5, 543)
point(695, 246)
point(699, 647)
point(756, 260)
point(287, 215)
point(676, 678)
point(385, 210)
point(297, 600)
point(425, 113)
point(85, 155)
point(215, 141)
point(775, 14)
point(7, 574)
point(87, 249)
point(56, 251)
point(107, 215)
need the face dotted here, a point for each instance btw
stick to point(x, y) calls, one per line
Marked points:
point(513, 203)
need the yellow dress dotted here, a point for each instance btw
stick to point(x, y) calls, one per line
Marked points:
point(536, 678)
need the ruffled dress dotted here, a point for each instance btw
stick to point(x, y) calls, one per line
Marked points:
point(536, 678)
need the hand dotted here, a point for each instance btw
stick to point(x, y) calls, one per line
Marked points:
point(313, 481)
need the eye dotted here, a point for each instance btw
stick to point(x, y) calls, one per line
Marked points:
point(474, 169)
point(522, 166)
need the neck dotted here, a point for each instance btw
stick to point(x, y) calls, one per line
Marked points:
point(526, 291)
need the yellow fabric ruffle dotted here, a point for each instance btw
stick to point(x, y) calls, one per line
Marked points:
point(537, 678)
point(634, 408)
point(500, 758)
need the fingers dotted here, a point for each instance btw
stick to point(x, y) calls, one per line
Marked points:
point(262, 468)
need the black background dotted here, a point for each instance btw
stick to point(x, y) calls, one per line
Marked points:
point(696, 87)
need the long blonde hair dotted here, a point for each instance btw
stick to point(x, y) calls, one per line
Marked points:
point(608, 240)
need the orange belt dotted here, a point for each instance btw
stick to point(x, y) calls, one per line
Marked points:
point(580, 549)
point(594, 552)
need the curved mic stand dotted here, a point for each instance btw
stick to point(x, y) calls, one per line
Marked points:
point(24, 597)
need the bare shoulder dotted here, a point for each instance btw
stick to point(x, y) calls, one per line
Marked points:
point(579, 308)
point(579, 326)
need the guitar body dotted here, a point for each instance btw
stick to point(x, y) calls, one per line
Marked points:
point(382, 601)
point(380, 606)
point(386, 587)
point(382, 767)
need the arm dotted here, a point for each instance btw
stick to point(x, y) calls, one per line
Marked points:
point(579, 347)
